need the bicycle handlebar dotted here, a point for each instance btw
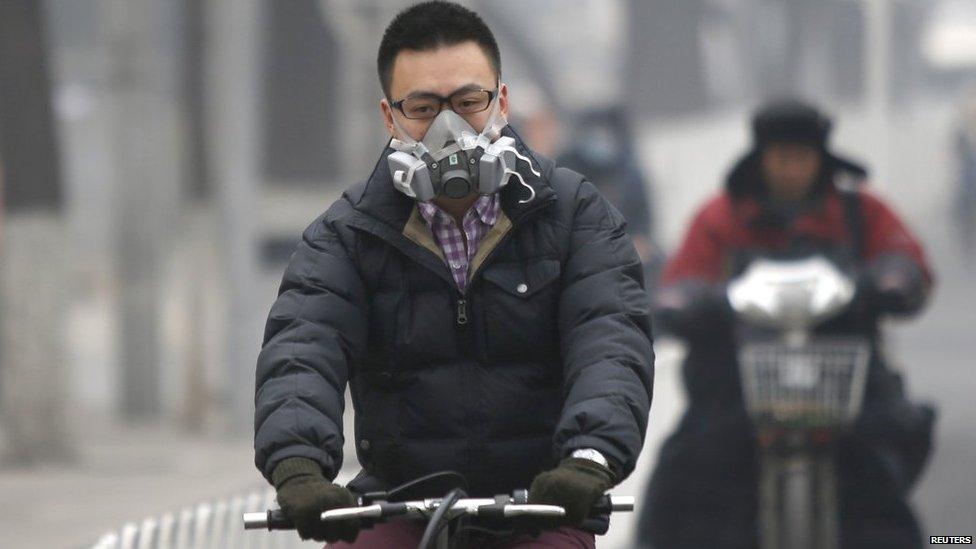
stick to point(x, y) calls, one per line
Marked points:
point(274, 519)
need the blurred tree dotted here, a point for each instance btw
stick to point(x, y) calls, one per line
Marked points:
point(29, 143)
point(192, 14)
point(301, 106)
point(356, 27)
point(197, 212)
point(233, 137)
point(33, 389)
point(847, 47)
point(907, 70)
point(801, 47)
point(146, 159)
point(664, 73)
point(502, 21)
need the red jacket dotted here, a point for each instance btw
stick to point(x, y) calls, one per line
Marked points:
point(725, 226)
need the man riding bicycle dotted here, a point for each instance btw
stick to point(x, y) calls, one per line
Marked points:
point(788, 197)
point(485, 306)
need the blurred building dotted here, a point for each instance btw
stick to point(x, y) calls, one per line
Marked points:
point(191, 141)
point(197, 139)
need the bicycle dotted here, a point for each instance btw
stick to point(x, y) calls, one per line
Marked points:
point(445, 516)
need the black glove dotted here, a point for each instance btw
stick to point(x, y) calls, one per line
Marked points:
point(893, 284)
point(693, 309)
point(304, 493)
point(575, 485)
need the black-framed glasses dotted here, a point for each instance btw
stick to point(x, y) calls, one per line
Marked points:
point(427, 106)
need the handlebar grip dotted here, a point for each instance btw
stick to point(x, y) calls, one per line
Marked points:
point(367, 511)
point(272, 519)
point(614, 504)
point(530, 510)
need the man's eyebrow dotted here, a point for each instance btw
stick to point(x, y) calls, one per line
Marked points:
point(427, 93)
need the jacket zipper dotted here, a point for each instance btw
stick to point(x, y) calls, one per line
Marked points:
point(461, 302)
point(461, 312)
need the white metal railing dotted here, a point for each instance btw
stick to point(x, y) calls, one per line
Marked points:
point(211, 525)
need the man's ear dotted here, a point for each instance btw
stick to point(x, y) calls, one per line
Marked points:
point(503, 99)
point(387, 111)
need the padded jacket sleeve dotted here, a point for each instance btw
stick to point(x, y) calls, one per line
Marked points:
point(691, 301)
point(897, 272)
point(605, 338)
point(315, 332)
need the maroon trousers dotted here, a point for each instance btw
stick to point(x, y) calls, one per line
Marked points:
point(407, 534)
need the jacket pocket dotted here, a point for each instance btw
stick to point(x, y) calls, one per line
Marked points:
point(520, 303)
point(523, 281)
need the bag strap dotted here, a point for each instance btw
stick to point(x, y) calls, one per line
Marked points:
point(850, 197)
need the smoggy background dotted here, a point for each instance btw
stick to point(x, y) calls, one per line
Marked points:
point(158, 161)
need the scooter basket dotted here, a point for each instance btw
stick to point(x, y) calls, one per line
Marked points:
point(818, 384)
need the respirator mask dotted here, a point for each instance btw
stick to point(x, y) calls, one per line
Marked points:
point(452, 159)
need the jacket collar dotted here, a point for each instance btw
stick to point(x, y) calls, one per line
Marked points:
point(745, 179)
point(745, 187)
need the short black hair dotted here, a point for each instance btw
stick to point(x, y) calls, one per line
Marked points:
point(431, 25)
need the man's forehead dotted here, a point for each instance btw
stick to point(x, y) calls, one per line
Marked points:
point(441, 71)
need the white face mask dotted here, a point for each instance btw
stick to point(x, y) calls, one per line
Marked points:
point(453, 159)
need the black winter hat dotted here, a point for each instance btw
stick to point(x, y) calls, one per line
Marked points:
point(790, 121)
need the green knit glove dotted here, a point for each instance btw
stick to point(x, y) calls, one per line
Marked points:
point(304, 493)
point(575, 485)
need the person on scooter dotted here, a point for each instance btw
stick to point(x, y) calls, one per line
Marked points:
point(486, 308)
point(788, 196)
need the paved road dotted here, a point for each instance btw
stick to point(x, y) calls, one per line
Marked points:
point(938, 355)
point(123, 474)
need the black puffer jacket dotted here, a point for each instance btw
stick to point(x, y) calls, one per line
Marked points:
point(549, 350)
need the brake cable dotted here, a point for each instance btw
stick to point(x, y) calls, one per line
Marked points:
point(434, 525)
